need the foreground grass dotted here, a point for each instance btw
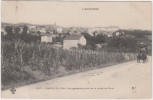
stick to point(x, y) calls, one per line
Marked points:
point(24, 63)
point(30, 77)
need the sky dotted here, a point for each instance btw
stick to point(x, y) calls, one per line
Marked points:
point(126, 15)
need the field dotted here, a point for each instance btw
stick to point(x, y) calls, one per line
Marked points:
point(26, 63)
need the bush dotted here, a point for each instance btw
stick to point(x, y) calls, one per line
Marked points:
point(18, 55)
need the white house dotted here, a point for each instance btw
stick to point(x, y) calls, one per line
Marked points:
point(46, 38)
point(42, 30)
point(73, 41)
point(31, 27)
point(109, 35)
point(59, 29)
point(117, 33)
point(102, 29)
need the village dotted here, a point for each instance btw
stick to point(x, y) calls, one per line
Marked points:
point(32, 53)
point(70, 49)
point(67, 37)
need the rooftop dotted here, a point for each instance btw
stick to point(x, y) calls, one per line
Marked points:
point(73, 37)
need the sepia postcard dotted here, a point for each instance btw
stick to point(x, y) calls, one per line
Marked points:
point(76, 49)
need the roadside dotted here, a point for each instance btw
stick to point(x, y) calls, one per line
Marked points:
point(129, 80)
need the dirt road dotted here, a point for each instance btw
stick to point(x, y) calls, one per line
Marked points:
point(129, 80)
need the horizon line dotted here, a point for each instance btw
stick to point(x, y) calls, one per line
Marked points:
point(78, 26)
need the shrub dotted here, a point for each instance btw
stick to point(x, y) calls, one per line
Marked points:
point(18, 55)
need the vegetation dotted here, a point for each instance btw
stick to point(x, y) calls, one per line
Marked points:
point(127, 42)
point(18, 56)
point(25, 60)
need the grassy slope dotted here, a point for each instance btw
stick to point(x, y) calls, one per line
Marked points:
point(32, 77)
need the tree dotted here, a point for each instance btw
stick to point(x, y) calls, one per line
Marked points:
point(16, 30)
point(100, 38)
point(2, 33)
point(25, 29)
point(9, 30)
point(94, 33)
point(38, 33)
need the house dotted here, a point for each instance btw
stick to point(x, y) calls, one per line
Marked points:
point(42, 30)
point(73, 41)
point(109, 35)
point(31, 27)
point(46, 38)
point(97, 30)
point(118, 33)
point(101, 45)
point(59, 29)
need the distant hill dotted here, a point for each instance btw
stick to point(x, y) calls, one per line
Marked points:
point(3, 24)
point(22, 24)
point(107, 28)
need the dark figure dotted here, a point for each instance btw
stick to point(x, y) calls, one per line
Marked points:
point(142, 56)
